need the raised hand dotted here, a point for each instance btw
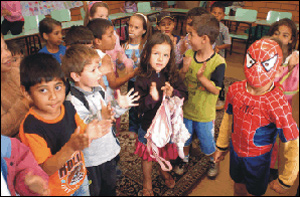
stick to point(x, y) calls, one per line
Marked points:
point(168, 89)
point(107, 111)
point(37, 184)
point(294, 60)
point(97, 129)
point(127, 100)
point(79, 141)
point(201, 71)
point(154, 92)
point(183, 45)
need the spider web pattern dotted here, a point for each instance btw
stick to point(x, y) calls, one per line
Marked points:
point(251, 115)
point(261, 51)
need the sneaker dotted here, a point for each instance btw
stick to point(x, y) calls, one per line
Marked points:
point(220, 104)
point(213, 170)
point(181, 168)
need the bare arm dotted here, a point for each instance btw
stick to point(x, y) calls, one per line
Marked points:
point(208, 85)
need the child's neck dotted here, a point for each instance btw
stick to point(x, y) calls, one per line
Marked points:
point(260, 90)
point(52, 48)
point(136, 40)
point(204, 54)
point(47, 116)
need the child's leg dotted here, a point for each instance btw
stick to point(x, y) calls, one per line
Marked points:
point(169, 181)
point(240, 189)
point(134, 123)
point(147, 179)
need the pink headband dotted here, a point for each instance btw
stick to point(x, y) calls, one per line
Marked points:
point(142, 16)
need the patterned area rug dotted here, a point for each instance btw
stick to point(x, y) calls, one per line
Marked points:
point(130, 182)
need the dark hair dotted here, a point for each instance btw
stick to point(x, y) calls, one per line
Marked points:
point(15, 47)
point(145, 69)
point(92, 10)
point(206, 24)
point(99, 26)
point(47, 25)
point(75, 59)
point(79, 35)
point(197, 11)
point(289, 23)
point(162, 16)
point(37, 68)
point(217, 4)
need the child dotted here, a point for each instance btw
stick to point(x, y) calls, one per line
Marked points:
point(13, 18)
point(286, 30)
point(79, 35)
point(183, 43)
point(203, 74)
point(165, 23)
point(52, 129)
point(158, 76)
point(16, 51)
point(256, 111)
point(14, 105)
point(21, 173)
point(81, 66)
point(51, 31)
point(139, 33)
point(223, 42)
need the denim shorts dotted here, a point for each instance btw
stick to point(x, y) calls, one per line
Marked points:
point(83, 190)
point(205, 133)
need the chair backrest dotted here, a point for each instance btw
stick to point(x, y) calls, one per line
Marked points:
point(246, 14)
point(143, 7)
point(272, 16)
point(30, 22)
point(82, 12)
point(61, 15)
point(285, 15)
point(227, 10)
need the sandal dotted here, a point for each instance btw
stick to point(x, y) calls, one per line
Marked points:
point(147, 192)
point(170, 182)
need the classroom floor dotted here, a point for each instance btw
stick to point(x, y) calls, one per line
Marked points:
point(223, 184)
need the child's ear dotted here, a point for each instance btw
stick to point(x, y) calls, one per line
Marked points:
point(25, 93)
point(45, 36)
point(75, 76)
point(144, 31)
point(98, 41)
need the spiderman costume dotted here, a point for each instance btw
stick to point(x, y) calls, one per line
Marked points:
point(257, 120)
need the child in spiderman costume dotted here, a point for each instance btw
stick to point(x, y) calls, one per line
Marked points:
point(256, 112)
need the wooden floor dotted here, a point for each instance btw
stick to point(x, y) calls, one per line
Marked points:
point(223, 184)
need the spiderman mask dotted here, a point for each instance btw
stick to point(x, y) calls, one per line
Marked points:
point(262, 62)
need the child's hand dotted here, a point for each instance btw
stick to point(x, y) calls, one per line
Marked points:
point(219, 156)
point(186, 63)
point(79, 141)
point(294, 60)
point(37, 184)
point(119, 58)
point(183, 46)
point(201, 71)
point(127, 100)
point(107, 111)
point(153, 91)
point(97, 129)
point(168, 89)
point(133, 57)
point(217, 49)
point(274, 185)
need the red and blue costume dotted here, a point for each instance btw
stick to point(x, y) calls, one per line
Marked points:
point(257, 120)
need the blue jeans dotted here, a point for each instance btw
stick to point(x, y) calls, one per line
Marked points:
point(205, 133)
point(83, 189)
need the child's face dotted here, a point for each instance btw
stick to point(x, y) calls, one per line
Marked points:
point(48, 98)
point(160, 56)
point(218, 13)
point(195, 40)
point(136, 27)
point(108, 41)
point(166, 26)
point(284, 33)
point(55, 37)
point(101, 12)
point(90, 75)
point(16, 60)
point(6, 57)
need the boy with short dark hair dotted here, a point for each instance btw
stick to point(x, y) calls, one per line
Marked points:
point(79, 35)
point(81, 66)
point(52, 129)
point(203, 72)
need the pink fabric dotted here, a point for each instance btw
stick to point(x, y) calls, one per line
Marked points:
point(15, 8)
point(169, 152)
